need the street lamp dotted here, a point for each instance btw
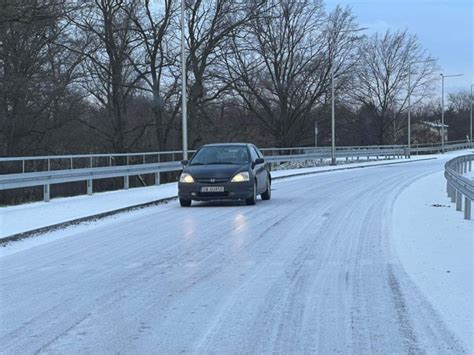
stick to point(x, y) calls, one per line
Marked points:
point(333, 111)
point(470, 128)
point(409, 101)
point(442, 106)
point(183, 88)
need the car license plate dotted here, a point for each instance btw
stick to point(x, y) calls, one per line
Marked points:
point(212, 189)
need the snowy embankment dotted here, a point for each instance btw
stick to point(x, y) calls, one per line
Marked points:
point(27, 217)
point(435, 245)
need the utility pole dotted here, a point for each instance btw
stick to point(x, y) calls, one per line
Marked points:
point(183, 87)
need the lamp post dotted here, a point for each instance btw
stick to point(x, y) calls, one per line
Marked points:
point(409, 101)
point(183, 88)
point(470, 126)
point(442, 106)
point(333, 110)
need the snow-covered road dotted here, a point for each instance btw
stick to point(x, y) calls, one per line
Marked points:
point(311, 270)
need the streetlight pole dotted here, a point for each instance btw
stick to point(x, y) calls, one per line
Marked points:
point(470, 127)
point(333, 105)
point(333, 118)
point(442, 106)
point(183, 87)
point(409, 101)
point(442, 113)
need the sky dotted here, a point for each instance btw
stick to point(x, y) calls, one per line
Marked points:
point(445, 28)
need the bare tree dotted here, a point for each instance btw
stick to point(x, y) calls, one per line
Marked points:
point(109, 44)
point(210, 24)
point(36, 74)
point(157, 63)
point(382, 81)
point(280, 68)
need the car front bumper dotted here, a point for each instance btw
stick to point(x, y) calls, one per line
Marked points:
point(232, 191)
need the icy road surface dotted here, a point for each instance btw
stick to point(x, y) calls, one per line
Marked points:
point(311, 270)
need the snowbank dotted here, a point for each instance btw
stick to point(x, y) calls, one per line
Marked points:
point(436, 247)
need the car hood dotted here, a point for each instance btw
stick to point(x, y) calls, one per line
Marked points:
point(219, 171)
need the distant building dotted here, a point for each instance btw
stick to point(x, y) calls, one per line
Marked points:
point(429, 132)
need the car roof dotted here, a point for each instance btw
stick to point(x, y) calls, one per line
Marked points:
point(227, 144)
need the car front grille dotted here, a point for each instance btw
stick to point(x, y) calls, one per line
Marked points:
point(212, 180)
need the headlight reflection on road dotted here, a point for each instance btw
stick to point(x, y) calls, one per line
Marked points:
point(240, 224)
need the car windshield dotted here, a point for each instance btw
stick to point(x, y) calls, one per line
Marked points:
point(221, 155)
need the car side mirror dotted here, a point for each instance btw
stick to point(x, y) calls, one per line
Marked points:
point(259, 161)
point(184, 162)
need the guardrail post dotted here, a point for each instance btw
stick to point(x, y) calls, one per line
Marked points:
point(458, 201)
point(157, 178)
point(23, 166)
point(126, 182)
point(453, 194)
point(46, 196)
point(467, 208)
point(89, 187)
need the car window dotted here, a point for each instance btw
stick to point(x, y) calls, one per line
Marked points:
point(253, 153)
point(221, 155)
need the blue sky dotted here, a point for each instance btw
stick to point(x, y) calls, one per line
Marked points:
point(444, 27)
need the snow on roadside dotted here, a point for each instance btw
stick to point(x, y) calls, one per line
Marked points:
point(436, 247)
point(21, 218)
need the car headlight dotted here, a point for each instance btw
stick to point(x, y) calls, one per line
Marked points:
point(241, 177)
point(186, 178)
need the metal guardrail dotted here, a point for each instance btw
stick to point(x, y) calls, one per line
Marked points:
point(46, 170)
point(436, 148)
point(459, 185)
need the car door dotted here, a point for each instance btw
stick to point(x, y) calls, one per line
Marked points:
point(259, 169)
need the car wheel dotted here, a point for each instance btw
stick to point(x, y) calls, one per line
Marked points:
point(252, 200)
point(268, 193)
point(184, 203)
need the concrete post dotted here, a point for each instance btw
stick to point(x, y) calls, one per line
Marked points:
point(453, 194)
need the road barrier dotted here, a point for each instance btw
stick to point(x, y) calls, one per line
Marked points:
point(459, 185)
point(46, 170)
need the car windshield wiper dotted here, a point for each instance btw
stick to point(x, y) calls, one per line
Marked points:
point(221, 162)
point(197, 164)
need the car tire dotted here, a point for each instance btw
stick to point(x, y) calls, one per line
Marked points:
point(184, 203)
point(252, 200)
point(268, 193)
